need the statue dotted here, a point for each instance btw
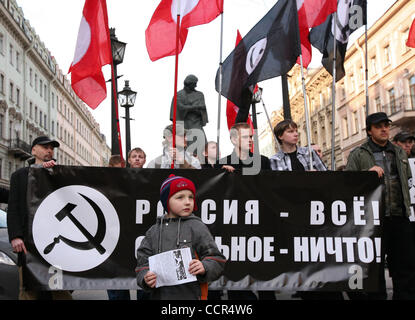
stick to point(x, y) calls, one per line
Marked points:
point(191, 111)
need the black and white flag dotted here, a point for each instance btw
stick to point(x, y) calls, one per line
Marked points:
point(269, 50)
point(351, 15)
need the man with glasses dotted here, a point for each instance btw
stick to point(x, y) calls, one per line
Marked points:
point(390, 163)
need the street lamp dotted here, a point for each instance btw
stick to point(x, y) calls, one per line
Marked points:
point(118, 51)
point(126, 99)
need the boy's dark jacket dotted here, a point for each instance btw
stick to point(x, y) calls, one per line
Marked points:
point(172, 233)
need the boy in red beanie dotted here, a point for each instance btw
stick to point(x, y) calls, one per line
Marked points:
point(180, 228)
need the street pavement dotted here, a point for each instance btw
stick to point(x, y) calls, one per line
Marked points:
point(102, 294)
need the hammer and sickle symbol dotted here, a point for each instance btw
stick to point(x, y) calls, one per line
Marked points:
point(93, 241)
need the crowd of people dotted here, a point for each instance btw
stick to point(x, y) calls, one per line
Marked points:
point(389, 159)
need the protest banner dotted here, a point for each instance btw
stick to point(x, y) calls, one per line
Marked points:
point(278, 230)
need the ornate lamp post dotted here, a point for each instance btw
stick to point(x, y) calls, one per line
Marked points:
point(118, 50)
point(127, 98)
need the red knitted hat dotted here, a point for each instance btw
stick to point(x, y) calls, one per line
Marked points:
point(175, 184)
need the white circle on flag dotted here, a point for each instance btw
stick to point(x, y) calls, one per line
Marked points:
point(83, 42)
point(61, 235)
point(342, 25)
point(255, 54)
point(185, 7)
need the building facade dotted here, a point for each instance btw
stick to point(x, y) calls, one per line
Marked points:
point(36, 99)
point(391, 87)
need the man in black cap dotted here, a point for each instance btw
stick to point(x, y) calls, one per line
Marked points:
point(17, 215)
point(405, 140)
point(390, 162)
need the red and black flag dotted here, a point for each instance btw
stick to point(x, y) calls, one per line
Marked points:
point(311, 13)
point(351, 15)
point(269, 50)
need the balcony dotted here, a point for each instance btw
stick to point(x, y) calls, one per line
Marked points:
point(401, 110)
point(20, 149)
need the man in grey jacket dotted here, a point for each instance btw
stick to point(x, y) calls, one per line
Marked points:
point(391, 165)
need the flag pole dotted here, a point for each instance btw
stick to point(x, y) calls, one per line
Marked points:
point(307, 119)
point(333, 95)
point(176, 67)
point(367, 70)
point(220, 85)
point(113, 80)
point(270, 125)
point(117, 118)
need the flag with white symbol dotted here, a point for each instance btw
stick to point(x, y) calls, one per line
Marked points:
point(93, 51)
point(269, 50)
point(351, 15)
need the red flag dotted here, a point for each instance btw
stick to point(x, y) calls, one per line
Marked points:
point(231, 108)
point(161, 31)
point(411, 36)
point(311, 13)
point(93, 50)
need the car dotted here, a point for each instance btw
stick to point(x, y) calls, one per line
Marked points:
point(9, 280)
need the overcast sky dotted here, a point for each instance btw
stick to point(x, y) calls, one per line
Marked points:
point(57, 23)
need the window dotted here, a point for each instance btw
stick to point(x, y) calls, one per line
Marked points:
point(1, 43)
point(373, 65)
point(345, 128)
point(31, 77)
point(387, 53)
point(11, 92)
point(392, 102)
point(362, 75)
point(45, 122)
point(31, 110)
point(53, 100)
point(352, 82)
point(11, 54)
point(2, 83)
point(36, 82)
point(36, 114)
point(404, 38)
point(40, 118)
point(53, 128)
point(18, 97)
point(378, 104)
point(45, 92)
point(17, 61)
point(1, 168)
point(355, 123)
point(41, 88)
point(1, 125)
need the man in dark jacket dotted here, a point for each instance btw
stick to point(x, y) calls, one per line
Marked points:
point(242, 159)
point(239, 161)
point(17, 215)
point(390, 163)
